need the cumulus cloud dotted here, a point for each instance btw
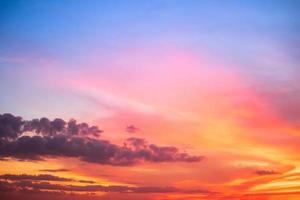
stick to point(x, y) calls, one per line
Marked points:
point(10, 126)
point(60, 139)
point(13, 126)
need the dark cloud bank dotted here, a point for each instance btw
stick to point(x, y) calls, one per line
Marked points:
point(40, 183)
point(35, 187)
point(40, 177)
point(58, 138)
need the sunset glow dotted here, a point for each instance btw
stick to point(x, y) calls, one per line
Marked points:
point(152, 100)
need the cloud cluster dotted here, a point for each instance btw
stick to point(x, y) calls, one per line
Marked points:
point(60, 139)
point(12, 126)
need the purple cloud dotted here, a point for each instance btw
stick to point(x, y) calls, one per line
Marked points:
point(59, 139)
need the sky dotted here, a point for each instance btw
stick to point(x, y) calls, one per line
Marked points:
point(153, 100)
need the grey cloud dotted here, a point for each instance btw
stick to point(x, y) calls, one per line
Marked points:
point(13, 126)
point(10, 126)
point(59, 139)
point(38, 186)
point(40, 177)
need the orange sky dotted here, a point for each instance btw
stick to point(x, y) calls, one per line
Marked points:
point(158, 100)
point(205, 109)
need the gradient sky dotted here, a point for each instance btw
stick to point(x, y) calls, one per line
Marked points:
point(217, 80)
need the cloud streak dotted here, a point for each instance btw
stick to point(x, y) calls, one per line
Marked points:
point(40, 186)
point(265, 172)
point(54, 170)
point(40, 177)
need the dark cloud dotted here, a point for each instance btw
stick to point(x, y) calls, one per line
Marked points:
point(40, 186)
point(265, 172)
point(91, 150)
point(54, 170)
point(58, 139)
point(85, 181)
point(154, 153)
point(12, 126)
point(47, 127)
point(40, 177)
point(131, 129)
